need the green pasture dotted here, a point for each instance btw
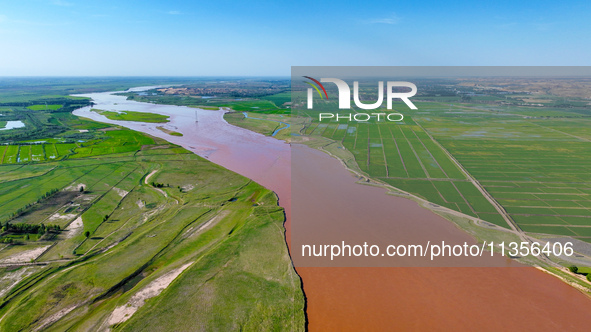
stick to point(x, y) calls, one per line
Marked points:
point(134, 116)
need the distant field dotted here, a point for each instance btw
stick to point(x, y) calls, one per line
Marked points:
point(537, 169)
point(17, 89)
point(253, 105)
point(211, 108)
point(279, 99)
point(134, 116)
point(44, 107)
point(265, 127)
point(118, 141)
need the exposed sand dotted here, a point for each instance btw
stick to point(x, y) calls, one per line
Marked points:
point(75, 187)
point(54, 318)
point(191, 232)
point(123, 313)
point(10, 279)
point(74, 228)
point(58, 216)
point(121, 192)
point(188, 187)
point(25, 256)
point(149, 176)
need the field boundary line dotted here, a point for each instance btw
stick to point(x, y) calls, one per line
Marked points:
point(571, 135)
point(399, 154)
point(4, 154)
point(415, 152)
point(383, 151)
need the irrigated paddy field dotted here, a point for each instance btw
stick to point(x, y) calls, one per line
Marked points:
point(536, 167)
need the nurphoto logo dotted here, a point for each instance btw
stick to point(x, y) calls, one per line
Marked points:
point(344, 99)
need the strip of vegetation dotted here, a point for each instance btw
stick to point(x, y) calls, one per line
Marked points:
point(169, 132)
point(134, 116)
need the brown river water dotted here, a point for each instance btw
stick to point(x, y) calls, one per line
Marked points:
point(344, 296)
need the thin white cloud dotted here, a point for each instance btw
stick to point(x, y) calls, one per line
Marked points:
point(174, 12)
point(392, 19)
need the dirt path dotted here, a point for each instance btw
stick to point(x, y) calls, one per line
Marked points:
point(24, 256)
point(153, 289)
point(157, 189)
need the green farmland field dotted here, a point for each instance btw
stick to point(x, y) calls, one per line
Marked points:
point(120, 234)
point(536, 167)
point(404, 156)
point(44, 107)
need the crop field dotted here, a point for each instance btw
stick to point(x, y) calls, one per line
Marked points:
point(123, 212)
point(534, 162)
point(52, 107)
point(116, 141)
point(266, 127)
point(403, 155)
point(538, 170)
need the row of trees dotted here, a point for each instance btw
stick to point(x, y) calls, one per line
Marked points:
point(159, 185)
point(25, 208)
point(21, 228)
point(574, 269)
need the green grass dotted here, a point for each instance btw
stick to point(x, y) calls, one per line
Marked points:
point(134, 116)
point(170, 132)
point(52, 107)
point(146, 231)
point(265, 127)
point(210, 108)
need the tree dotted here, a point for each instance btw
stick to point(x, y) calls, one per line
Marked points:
point(573, 269)
point(87, 234)
point(81, 189)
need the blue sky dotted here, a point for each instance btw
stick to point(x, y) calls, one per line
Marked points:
point(205, 38)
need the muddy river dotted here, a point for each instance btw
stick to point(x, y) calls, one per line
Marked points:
point(347, 297)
